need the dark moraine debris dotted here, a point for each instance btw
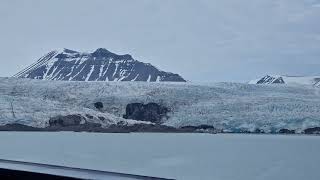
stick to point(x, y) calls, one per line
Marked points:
point(18, 127)
point(89, 116)
point(151, 112)
point(122, 124)
point(86, 127)
point(69, 120)
point(101, 118)
point(73, 123)
point(115, 128)
point(200, 128)
point(314, 130)
point(98, 105)
point(258, 131)
point(286, 131)
point(145, 128)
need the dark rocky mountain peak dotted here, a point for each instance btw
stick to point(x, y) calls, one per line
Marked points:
point(293, 80)
point(101, 52)
point(100, 65)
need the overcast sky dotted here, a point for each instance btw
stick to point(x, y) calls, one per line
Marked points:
point(203, 40)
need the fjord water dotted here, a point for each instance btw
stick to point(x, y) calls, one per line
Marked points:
point(180, 156)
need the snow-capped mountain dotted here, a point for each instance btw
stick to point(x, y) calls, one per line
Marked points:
point(100, 65)
point(294, 80)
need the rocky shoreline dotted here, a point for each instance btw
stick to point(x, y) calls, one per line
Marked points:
point(138, 117)
point(148, 118)
point(147, 128)
point(111, 129)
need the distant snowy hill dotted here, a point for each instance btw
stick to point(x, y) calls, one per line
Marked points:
point(230, 106)
point(100, 65)
point(294, 80)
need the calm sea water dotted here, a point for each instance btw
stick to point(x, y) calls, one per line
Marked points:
point(181, 156)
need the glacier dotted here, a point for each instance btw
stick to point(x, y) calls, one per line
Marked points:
point(232, 107)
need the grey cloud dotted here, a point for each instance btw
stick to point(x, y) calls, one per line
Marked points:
point(203, 40)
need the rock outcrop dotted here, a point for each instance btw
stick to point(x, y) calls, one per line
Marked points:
point(314, 130)
point(98, 105)
point(151, 112)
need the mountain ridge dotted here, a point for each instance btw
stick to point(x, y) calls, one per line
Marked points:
point(285, 79)
point(100, 65)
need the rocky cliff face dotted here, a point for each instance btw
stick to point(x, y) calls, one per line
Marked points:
point(100, 65)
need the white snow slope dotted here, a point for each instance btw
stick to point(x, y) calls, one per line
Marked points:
point(229, 106)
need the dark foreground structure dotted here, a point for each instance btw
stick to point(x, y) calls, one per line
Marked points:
point(26, 170)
